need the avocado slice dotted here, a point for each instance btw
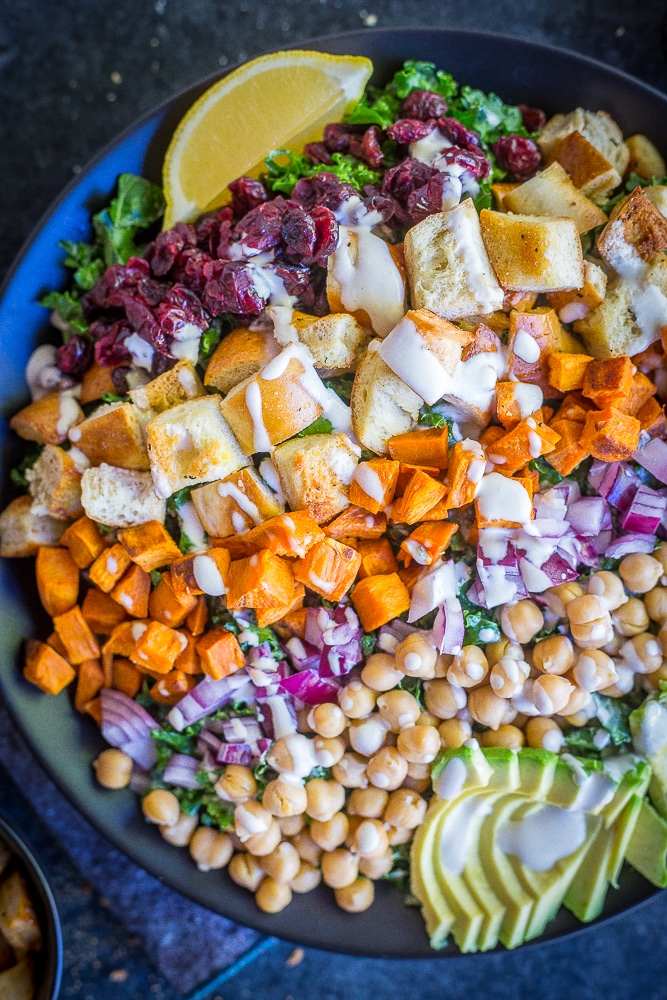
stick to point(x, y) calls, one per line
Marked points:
point(647, 847)
point(517, 902)
point(648, 726)
point(436, 913)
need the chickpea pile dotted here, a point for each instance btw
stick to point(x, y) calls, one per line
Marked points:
point(608, 633)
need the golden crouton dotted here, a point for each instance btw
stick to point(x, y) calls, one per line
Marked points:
point(645, 159)
point(382, 404)
point(424, 350)
point(239, 356)
point(636, 232)
point(23, 532)
point(533, 253)
point(55, 483)
point(18, 919)
point(177, 385)
point(552, 192)
point(112, 434)
point(48, 419)
point(315, 473)
point(597, 127)
point(574, 303)
point(336, 341)
point(365, 277)
point(120, 498)
point(590, 171)
point(233, 505)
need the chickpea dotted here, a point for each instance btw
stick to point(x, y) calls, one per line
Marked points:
point(631, 618)
point(443, 663)
point(508, 676)
point(273, 896)
point(398, 709)
point(327, 720)
point(376, 867)
point(428, 719)
point(245, 870)
point(210, 849)
point(324, 798)
point(495, 651)
point(469, 668)
point(387, 769)
point(329, 751)
point(302, 724)
point(236, 784)
point(594, 670)
point(661, 555)
point(180, 833)
point(550, 693)
point(418, 778)
point(368, 735)
point(306, 879)
point(504, 736)
point(369, 839)
point(486, 707)
point(113, 768)
point(553, 655)
point(642, 652)
point(256, 828)
point(416, 656)
point(293, 756)
point(306, 847)
point(284, 798)
point(655, 602)
point(339, 868)
point(521, 621)
point(398, 835)
point(444, 699)
point(454, 732)
point(544, 734)
point(404, 809)
point(350, 770)
point(624, 683)
point(331, 833)
point(368, 802)
point(640, 572)
point(283, 863)
point(590, 622)
point(557, 598)
point(380, 672)
point(418, 744)
point(356, 897)
point(161, 807)
point(609, 588)
point(290, 825)
point(356, 700)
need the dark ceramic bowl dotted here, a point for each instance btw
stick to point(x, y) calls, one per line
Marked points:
point(49, 959)
point(65, 743)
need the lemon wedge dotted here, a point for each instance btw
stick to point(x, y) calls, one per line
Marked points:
point(278, 101)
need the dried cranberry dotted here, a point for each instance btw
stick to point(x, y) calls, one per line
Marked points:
point(180, 308)
point(109, 348)
point(75, 357)
point(406, 176)
point(189, 269)
point(424, 104)
point(380, 205)
point(209, 226)
point(297, 282)
point(337, 137)
point(459, 134)
point(407, 130)
point(317, 152)
point(298, 232)
point(326, 233)
point(247, 193)
point(371, 148)
point(120, 380)
point(473, 161)
point(322, 189)
point(260, 229)
point(230, 288)
point(166, 247)
point(519, 155)
point(534, 119)
point(431, 197)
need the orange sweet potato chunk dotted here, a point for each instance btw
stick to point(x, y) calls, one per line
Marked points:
point(172, 687)
point(268, 616)
point(84, 540)
point(329, 568)
point(108, 568)
point(149, 545)
point(428, 446)
point(76, 636)
point(157, 648)
point(262, 580)
point(220, 653)
point(101, 611)
point(46, 668)
point(378, 599)
point(610, 435)
point(290, 535)
point(355, 522)
point(168, 607)
point(374, 484)
point(377, 557)
point(421, 493)
point(57, 578)
point(132, 591)
point(90, 680)
point(608, 381)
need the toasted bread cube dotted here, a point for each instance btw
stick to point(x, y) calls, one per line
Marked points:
point(18, 918)
point(382, 404)
point(635, 233)
point(552, 192)
point(376, 302)
point(424, 349)
point(262, 411)
point(597, 127)
point(18, 981)
point(120, 497)
point(149, 545)
point(591, 172)
point(23, 531)
point(112, 434)
point(55, 483)
point(235, 503)
point(449, 270)
point(574, 303)
point(191, 443)
point(499, 190)
point(657, 195)
point(239, 356)
point(532, 252)
point(631, 316)
point(48, 419)
point(177, 385)
point(96, 380)
point(336, 341)
point(316, 471)
point(645, 159)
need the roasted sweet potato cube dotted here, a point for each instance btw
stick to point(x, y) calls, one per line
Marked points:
point(109, 567)
point(133, 590)
point(377, 557)
point(168, 607)
point(466, 467)
point(122, 640)
point(652, 418)
point(420, 494)
point(355, 522)
point(608, 381)
point(288, 535)
point(610, 435)
point(374, 484)
point(57, 579)
point(84, 540)
point(219, 653)
point(530, 439)
point(268, 616)
point(379, 599)
point(19, 923)
point(157, 648)
point(188, 660)
point(641, 390)
point(514, 401)
point(329, 568)
point(198, 617)
point(428, 446)
point(46, 668)
point(428, 542)
point(89, 682)
point(203, 573)
point(149, 545)
point(262, 580)
point(172, 687)
point(125, 676)
point(533, 337)
point(567, 371)
point(75, 633)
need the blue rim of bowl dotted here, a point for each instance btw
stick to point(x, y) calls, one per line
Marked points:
point(125, 835)
point(51, 962)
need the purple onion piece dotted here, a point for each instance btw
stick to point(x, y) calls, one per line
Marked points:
point(646, 511)
point(448, 629)
point(626, 545)
point(653, 458)
point(204, 699)
point(311, 688)
point(181, 771)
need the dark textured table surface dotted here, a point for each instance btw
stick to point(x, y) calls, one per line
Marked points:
point(72, 75)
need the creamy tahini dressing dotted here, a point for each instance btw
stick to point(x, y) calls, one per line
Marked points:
point(409, 356)
point(544, 836)
point(463, 223)
point(458, 831)
point(369, 481)
point(499, 498)
point(241, 500)
point(373, 283)
point(253, 401)
point(208, 576)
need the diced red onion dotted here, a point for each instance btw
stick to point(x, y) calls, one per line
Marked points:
point(626, 545)
point(600, 542)
point(589, 515)
point(241, 730)
point(448, 629)
point(335, 661)
point(311, 688)
point(392, 633)
point(331, 627)
point(653, 458)
point(278, 715)
point(546, 527)
point(208, 741)
point(303, 655)
point(182, 770)
point(620, 485)
point(646, 511)
point(237, 753)
point(205, 698)
point(128, 726)
point(264, 690)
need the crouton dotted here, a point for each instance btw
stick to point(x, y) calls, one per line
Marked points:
point(597, 127)
point(552, 192)
point(336, 341)
point(645, 159)
point(112, 434)
point(631, 317)
point(18, 982)
point(635, 233)
point(382, 404)
point(657, 195)
point(239, 356)
point(424, 349)
point(533, 337)
point(574, 303)
point(177, 385)
point(48, 419)
point(234, 504)
point(591, 172)
point(449, 271)
point(534, 253)
point(23, 531)
point(96, 380)
point(499, 190)
point(316, 471)
point(364, 277)
point(191, 443)
point(55, 483)
point(120, 497)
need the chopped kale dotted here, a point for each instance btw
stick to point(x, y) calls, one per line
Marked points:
point(341, 385)
point(285, 168)
point(319, 426)
point(17, 475)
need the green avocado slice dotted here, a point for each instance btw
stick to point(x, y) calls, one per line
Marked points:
point(517, 902)
point(647, 847)
point(438, 917)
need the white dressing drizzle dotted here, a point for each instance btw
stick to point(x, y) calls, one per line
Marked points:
point(544, 836)
point(373, 283)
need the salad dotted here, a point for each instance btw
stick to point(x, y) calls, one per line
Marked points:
point(348, 503)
